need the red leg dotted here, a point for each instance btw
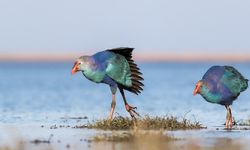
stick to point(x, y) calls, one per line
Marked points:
point(112, 107)
point(129, 108)
point(231, 118)
point(227, 117)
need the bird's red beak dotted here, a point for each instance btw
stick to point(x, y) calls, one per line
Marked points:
point(197, 88)
point(75, 68)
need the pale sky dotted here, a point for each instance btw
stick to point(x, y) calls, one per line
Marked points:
point(176, 26)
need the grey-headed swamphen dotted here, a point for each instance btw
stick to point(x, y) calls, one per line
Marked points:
point(116, 68)
point(222, 85)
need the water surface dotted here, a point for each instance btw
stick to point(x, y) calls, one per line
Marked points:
point(45, 92)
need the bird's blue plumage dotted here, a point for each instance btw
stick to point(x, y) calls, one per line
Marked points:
point(222, 85)
point(109, 64)
point(101, 59)
point(114, 67)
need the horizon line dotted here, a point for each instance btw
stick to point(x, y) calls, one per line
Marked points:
point(137, 57)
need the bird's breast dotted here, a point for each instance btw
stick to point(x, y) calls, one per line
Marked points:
point(94, 76)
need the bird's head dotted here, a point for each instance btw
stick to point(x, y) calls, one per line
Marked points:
point(198, 87)
point(81, 64)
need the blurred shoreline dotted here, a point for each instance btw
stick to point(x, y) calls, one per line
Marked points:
point(149, 57)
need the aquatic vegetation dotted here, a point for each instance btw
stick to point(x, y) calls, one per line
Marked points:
point(244, 122)
point(143, 123)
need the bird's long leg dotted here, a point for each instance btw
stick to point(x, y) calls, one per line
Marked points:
point(230, 118)
point(113, 103)
point(129, 108)
point(227, 117)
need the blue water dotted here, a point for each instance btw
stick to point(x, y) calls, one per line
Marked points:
point(45, 92)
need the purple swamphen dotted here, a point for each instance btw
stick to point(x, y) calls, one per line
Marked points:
point(222, 85)
point(116, 68)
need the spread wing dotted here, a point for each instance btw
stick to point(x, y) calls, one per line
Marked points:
point(123, 70)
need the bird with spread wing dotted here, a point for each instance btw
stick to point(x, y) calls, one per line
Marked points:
point(116, 68)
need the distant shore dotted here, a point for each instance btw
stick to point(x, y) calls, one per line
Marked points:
point(147, 57)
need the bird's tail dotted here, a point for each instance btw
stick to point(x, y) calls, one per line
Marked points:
point(244, 85)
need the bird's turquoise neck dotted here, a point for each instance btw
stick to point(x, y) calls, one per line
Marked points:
point(208, 95)
point(90, 71)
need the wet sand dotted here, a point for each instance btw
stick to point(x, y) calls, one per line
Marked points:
point(64, 137)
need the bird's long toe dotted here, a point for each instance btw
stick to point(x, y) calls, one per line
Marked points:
point(132, 111)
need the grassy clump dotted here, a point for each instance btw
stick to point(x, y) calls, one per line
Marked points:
point(167, 123)
point(243, 123)
point(144, 123)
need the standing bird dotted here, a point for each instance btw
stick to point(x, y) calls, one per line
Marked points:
point(222, 85)
point(116, 68)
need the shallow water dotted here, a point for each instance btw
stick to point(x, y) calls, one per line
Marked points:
point(44, 92)
point(68, 138)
